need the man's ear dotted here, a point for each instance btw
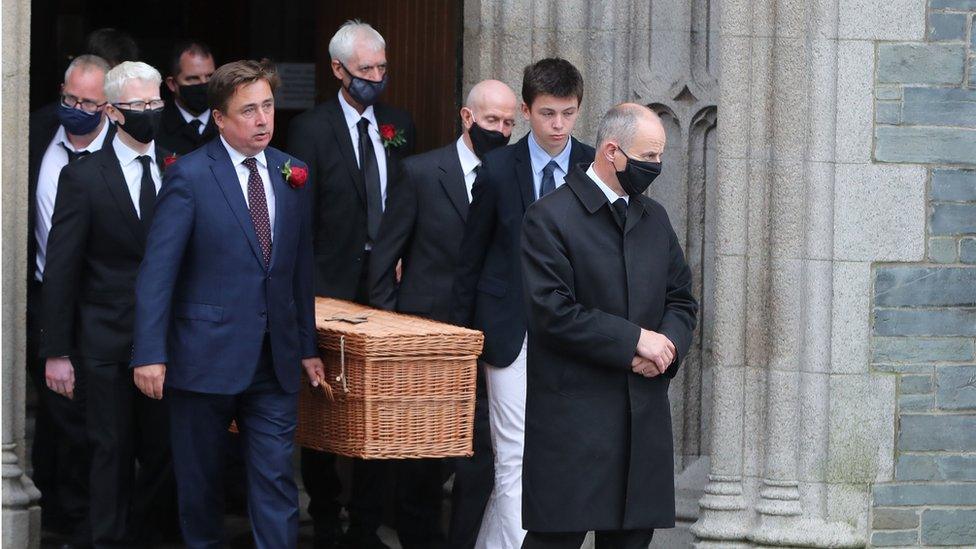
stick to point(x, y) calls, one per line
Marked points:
point(526, 110)
point(337, 69)
point(114, 115)
point(467, 117)
point(218, 118)
point(171, 84)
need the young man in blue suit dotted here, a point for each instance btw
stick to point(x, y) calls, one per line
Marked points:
point(225, 311)
point(488, 287)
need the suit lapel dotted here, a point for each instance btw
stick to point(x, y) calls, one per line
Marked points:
point(635, 211)
point(115, 181)
point(281, 194)
point(452, 179)
point(226, 176)
point(523, 172)
point(346, 150)
point(381, 119)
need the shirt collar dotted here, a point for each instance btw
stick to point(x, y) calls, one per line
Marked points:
point(127, 155)
point(203, 117)
point(611, 196)
point(353, 116)
point(236, 157)
point(540, 158)
point(61, 136)
point(469, 160)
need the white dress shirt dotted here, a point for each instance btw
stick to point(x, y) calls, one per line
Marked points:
point(611, 196)
point(53, 160)
point(132, 169)
point(469, 161)
point(539, 158)
point(352, 119)
point(243, 173)
point(203, 117)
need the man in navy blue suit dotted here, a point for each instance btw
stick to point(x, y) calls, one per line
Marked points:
point(225, 311)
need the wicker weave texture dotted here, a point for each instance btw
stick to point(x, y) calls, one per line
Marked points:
point(404, 387)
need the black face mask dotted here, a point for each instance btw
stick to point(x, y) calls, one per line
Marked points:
point(365, 92)
point(485, 141)
point(141, 125)
point(194, 98)
point(637, 175)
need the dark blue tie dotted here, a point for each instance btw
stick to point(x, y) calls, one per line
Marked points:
point(548, 181)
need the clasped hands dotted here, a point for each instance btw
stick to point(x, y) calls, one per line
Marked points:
point(654, 354)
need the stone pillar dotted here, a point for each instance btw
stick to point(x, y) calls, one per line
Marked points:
point(21, 514)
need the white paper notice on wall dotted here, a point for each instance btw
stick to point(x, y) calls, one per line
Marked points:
point(297, 91)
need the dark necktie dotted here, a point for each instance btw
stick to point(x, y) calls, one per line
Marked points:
point(620, 205)
point(371, 177)
point(72, 155)
point(258, 204)
point(147, 193)
point(192, 130)
point(548, 181)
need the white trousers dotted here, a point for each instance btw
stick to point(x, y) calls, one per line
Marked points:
point(501, 527)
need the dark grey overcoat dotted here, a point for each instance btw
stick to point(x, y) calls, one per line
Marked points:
point(598, 448)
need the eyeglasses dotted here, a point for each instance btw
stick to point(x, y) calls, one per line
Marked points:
point(139, 106)
point(87, 105)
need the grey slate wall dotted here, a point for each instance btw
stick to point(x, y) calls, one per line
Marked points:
point(924, 314)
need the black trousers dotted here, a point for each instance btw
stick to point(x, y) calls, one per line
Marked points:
point(474, 478)
point(617, 539)
point(59, 454)
point(132, 486)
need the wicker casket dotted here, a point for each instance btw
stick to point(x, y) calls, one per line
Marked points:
point(399, 386)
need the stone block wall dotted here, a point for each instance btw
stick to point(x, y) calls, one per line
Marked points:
point(924, 314)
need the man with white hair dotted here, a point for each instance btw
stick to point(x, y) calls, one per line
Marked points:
point(71, 128)
point(422, 227)
point(102, 213)
point(352, 145)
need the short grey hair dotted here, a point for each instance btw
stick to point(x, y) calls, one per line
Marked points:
point(343, 43)
point(620, 124)
point(84, 63)
point(123, 72)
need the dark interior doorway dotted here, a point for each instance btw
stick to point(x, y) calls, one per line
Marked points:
point(423, 45)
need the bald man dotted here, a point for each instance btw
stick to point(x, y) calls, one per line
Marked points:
point(611, 315)
point(422, 226)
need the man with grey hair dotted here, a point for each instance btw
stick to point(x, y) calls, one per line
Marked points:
point(611, 315)
point(60, 132)
point(353, 145)
point(422, 227)
point(102, 213)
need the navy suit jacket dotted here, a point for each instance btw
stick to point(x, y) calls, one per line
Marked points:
point(204, 298)
point(488, 286)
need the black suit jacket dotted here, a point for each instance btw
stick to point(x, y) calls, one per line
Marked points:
point(93, 255)
point(423, 224)
point(591, 284)
point(488, 287)
point(321, 139)
point(178, 136)
point(43, 124)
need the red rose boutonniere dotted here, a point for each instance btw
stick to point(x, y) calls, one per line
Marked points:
point(169, 160)
point(391, 135)
point(295, 176)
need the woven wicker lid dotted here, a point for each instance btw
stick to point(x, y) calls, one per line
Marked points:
point(365, 331)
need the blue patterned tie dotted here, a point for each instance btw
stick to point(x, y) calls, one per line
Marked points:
point(548, 181)
point(258, 204)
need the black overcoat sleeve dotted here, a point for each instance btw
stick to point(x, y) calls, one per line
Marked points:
point(554, 314)
point(680, 306)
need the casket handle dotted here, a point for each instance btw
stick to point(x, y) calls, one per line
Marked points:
point(341, 378)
